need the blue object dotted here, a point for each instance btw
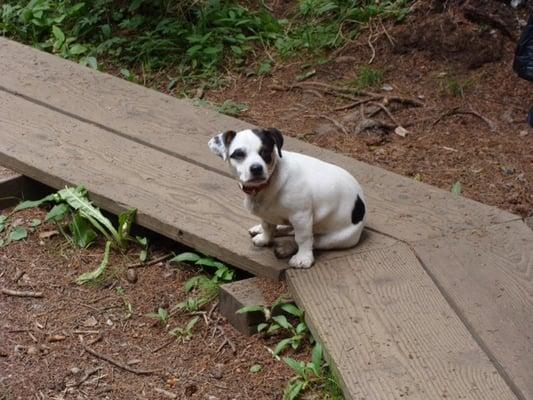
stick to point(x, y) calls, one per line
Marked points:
point(523, 59)
point(530, 117)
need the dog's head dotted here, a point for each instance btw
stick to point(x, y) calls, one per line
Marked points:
point(252, 154)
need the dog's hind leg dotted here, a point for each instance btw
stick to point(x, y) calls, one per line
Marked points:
point(340, 239)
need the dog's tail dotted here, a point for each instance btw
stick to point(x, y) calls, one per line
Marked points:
point(359, 210)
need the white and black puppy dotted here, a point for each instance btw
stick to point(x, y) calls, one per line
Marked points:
point(323, 203)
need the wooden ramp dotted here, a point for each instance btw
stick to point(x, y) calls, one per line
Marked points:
point(435, 303)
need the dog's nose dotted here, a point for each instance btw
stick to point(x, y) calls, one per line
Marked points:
point(256, 169)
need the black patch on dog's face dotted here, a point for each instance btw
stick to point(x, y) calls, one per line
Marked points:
point(269, 138)
point(358, 212)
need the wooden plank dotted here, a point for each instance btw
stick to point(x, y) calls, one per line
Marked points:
point(180, 200)
point(17, 187)
point(389, 332)
point(488, 275)
point(398, 206)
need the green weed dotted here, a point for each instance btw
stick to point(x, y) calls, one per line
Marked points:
point(454, 86)
point(185, 333)
point(368, 78)
point(204, 288)
point(162, 316)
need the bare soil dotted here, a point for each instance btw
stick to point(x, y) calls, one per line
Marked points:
point(42, 340)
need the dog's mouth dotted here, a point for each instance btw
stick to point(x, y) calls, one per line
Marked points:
point(254, 182)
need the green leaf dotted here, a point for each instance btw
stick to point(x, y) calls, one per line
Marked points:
point(82, 232)
point(316, 359)
point(262, 326)
point(296, 365)
point(3, 219)
point(301, 327)
point(249, 309)
point(35, 222)
point(186, 257)
point(293, 390)
point(282, 321)
point(206, 262)
point(57, 213)
point(17, 233)
point(292, 309)
point(90, 276)
point(76, 198)
point(254, 369)
point(456, 188)
point(2, 242)
point(34, 203)
point(282, 345)
point(77, 49)
point(58, 34)
point(90, 62)
point(191, 324)
point(305, 75)
point(125, 222)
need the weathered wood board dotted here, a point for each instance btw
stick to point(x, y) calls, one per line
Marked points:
point(175, 198)
point(488, 275)
point(398, 206)
point(390, 332)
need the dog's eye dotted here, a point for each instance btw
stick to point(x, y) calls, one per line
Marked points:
point(238, 155)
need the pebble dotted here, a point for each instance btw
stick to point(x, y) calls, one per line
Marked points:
point(212, 397)
point(387, 88)
point(524, 133)
point(75, 370)
point(90, 322)
point(218, 372)
point(32, 350)
point(109, 322)
point(131, 275)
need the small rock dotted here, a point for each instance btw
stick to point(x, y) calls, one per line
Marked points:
point(109, 322)
point(521, 178)
point(401, 131)
point(131, 275)
point(524, 133)
point(387, 88)
point(75, 370)
point(421, 96)
point(32, 350)
point(218, 372)
point(90, 322)
point(507, 170)
point(212, 397)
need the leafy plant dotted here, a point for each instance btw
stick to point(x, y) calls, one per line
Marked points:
point(97, 273)
point(368, 78)
point(314, 374)
point(454, 86)
point(186, 332)
point(456, 188)
point(205, 288)
point(161, 315)
point(276, 320)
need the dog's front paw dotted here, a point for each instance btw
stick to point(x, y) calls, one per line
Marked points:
point(260, 240)
point(255, 230)
point(302, 260)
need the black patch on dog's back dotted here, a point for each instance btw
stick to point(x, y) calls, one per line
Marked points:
point(358, 212)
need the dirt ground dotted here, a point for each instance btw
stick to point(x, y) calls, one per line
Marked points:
point(450, 64)
point(41, 339)
point(470, 129)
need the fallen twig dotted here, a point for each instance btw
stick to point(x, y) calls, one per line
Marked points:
point(87, 375)
point(165, 393)
point(386, 111)
point(334, 122)
point(117, 363)
point(19, 293)
point(18, 276)
point(226, 340)
point(151, 262)
point(458, 111)
point(163, 345)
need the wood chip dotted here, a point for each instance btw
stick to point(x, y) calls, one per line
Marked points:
point(48, 234)
point(56, 338)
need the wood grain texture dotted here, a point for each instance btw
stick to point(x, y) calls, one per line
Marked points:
point(488, 276)
point(179, 200)
point(175, 198)
point(398, 206)
point(389, 332)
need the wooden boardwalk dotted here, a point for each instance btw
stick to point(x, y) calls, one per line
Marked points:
point(436, 302)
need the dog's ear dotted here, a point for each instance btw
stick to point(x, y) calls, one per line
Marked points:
point(220, 143)
point(278, 138)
